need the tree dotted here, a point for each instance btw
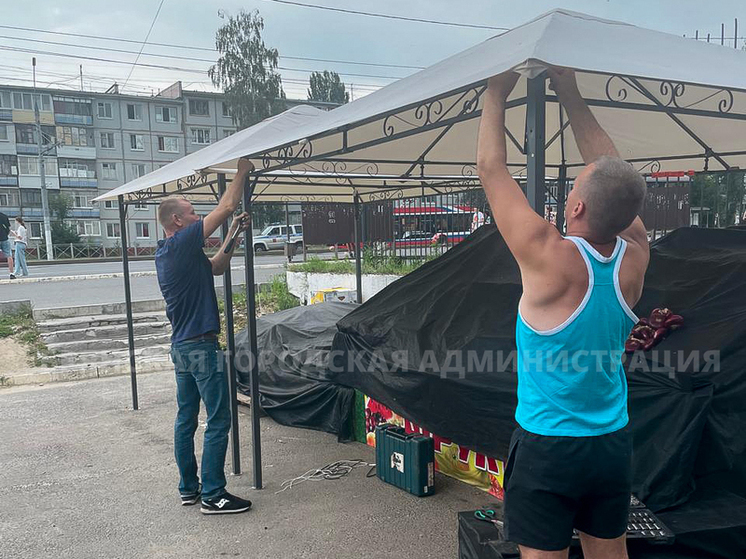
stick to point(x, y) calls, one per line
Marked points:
point(719, 196)
point(59, 207)
point(264, 214)
point(326, 86)
point(245, 70)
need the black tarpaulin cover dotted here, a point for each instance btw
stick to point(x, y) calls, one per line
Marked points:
point(688, 426)
point(294, 382)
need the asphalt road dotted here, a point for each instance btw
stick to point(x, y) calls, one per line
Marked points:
point(86, 477)
point(111, 290)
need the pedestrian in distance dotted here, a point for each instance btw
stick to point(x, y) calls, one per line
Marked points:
point(5, 244)
point(186, 279)
point(569, 463)
point(21, 237)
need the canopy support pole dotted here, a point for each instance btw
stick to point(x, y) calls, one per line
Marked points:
point(535, 152)
point(231, 342)
point(358, 250)
point(562, 178)
point(128, 298)
point(256, 442)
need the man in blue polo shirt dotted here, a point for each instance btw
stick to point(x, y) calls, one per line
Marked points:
point(185, 276)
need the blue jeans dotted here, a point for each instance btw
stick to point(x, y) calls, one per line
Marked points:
point(200, 374)
point(20, 258)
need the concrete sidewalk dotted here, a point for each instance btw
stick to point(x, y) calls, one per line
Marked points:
point(86, 477)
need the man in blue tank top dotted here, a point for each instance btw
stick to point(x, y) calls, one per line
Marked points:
point(569, 462)
point(185, 276)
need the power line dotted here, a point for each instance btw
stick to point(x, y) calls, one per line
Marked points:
point(388, 16)
point(169, 45)
point(176, 57)
point(158, 11)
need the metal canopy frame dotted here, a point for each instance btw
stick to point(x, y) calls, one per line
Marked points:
point(429, 115)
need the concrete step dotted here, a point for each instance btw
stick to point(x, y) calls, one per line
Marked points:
point(117, 331)
point(111, 356)
point(83, 322)
point(96, 345)
point(95, 370)
point(101, 309)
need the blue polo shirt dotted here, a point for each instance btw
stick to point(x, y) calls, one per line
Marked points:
point(187, 284)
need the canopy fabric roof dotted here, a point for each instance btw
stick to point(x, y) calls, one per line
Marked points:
point(669, 103)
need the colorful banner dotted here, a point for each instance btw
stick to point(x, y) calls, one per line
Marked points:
point(450, 459)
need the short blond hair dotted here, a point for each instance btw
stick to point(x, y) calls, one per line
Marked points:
point(174, 205)
point(613, 193)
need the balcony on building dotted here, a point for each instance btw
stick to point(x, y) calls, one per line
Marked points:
point(75, 142)
point(22, 104)
point(27, 140)
point(77, 173)
point(73, 110)
point(8, 170)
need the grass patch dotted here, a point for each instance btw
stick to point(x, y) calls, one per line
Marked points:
point(276, 297)
point(22, 327)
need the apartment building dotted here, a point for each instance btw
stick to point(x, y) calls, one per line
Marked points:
point(94, 142)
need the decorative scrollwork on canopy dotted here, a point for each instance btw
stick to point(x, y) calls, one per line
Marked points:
point(670, 94)
point(288, 154)
point(433, 112)
point(307, 198)
point(383, 195)
point(652, 166)
point(469, 171)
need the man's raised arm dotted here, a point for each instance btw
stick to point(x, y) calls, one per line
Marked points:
point(230, 200)
point(592, 140)
point(525, 232)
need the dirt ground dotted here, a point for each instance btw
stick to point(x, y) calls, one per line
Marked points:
point(15, 356)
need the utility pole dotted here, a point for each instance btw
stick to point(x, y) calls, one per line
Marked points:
point(42, 175)
point(81, 77)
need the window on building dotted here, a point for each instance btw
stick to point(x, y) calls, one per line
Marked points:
point(142, 229)
point(25, 101)
point(8, 166)
point(138, 170)
point(88, 228)
point(200, 135)
point(165, 114)
point(199, 107)
point(107, 140)
point(104, 109)
point(228, 132)
point(30, 198)
point(113, 230)
point(26, 134)
point(72, 106)
point(4, 134)
point(168, 144)
point(35, 230)
point(111, 204)
point(4, 199)
point(109, 171)
point(5, 100)
point(134, 111)
point(77, 168)
point(74, 136)
point(141, 206)
point(30, 166)
point(80, 200)
point(226, 109)
point(136, 142)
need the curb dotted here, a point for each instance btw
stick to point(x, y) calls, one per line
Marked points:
point(52, 279)
point(50, 375)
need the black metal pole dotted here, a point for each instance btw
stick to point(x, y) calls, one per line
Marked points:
point(535, 152)
point(256, 441)
point(561, 198)
point(358, 250)
point(231, 342)
point(128, 299)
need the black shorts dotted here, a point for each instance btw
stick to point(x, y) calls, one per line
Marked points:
point(555, 484)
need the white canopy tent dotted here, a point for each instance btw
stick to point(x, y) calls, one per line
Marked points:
point(669, 104)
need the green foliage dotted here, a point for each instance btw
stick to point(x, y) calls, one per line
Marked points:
point(721, 195)
point(264, 214)
point(372, 264)
point(326, 86)
point(278, 297)
point(22, 327)
point(59, 207)
point(246, 70)
point(317, 265)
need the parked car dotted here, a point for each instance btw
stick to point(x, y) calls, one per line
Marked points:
point(275, 236)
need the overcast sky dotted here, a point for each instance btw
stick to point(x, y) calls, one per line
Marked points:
point(297, 31)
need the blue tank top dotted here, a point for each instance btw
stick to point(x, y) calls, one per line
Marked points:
point(571, 382)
